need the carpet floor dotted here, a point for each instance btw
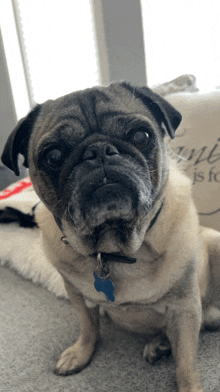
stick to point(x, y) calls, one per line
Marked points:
point(36, 327)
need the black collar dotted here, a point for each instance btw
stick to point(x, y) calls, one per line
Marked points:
point(58, 222)
point(155, 217)
point(115, 256)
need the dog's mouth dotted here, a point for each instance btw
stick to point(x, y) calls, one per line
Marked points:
point(107, 185)
point(104, 217)
point(108, 203)
point(102, 201)
point(104, 214)
point(106, 182)
point(104, 211)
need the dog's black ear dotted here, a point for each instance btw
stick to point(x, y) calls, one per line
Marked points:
point(162, 110)
point(18, 140)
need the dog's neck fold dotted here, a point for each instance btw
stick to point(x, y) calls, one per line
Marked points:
point(114, 256)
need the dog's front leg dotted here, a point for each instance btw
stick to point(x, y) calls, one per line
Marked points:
point(183, 333)
point(76, 357)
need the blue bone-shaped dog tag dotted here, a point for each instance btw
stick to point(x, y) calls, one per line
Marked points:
point(105, 285)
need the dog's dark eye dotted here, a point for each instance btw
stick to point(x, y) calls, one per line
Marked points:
point(141, 139)
point(54, 158)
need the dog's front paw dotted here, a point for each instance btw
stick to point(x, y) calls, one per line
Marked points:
point(74, 359)
point(157, 349)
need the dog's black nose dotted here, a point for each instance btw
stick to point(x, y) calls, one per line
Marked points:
point(100, 150)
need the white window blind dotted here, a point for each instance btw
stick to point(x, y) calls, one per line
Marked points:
point(60, 46)
point(182, 37)
point(59, 43)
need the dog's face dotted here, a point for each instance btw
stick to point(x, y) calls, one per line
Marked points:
point(98, 161)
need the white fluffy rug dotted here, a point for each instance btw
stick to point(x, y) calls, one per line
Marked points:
point(20, 247)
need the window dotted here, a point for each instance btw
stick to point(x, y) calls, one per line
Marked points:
point(59, 46)
point(182, 37)
point(60, 52)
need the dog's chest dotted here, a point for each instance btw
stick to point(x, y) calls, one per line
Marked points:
point(133, 283)
point(135, 288)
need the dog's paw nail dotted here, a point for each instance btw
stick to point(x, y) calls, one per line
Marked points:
point(73, 360)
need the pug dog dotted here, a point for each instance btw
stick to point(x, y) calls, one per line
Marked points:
point(119, 222)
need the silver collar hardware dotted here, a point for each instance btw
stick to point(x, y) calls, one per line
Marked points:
point(64, 240)
point(102, 280)
point(102, 268)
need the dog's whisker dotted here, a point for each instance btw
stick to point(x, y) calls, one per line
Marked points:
point(177, 155)
point(153, 170)
point(67, 212)
point(56, 205)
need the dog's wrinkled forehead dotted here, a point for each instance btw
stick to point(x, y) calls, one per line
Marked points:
point(91, 110)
